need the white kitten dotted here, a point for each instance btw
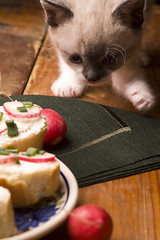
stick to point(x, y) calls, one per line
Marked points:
point(97, 41)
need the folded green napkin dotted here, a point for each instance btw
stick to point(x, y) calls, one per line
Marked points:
point(103, 143)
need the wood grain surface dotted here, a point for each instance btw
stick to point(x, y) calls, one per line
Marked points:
point(29, 65)
point(22, 30)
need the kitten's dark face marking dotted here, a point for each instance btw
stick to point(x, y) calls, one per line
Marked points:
point(97, 62)
point(101, 61)
point(55, 14)
point(130, 13)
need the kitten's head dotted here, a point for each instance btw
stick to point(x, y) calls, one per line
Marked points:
point(95, 37)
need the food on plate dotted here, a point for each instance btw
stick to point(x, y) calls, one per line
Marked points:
point(22, 125)
point(56, 127)
point(29, 176)
point(89, 222)
point(7, 223)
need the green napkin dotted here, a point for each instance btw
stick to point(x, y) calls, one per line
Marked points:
point(103, 143)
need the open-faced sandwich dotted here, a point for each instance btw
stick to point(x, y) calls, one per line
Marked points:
point(22, 125)
point(27, 174)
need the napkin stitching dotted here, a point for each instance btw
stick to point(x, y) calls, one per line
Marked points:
point(114, 116)
point(98, 140)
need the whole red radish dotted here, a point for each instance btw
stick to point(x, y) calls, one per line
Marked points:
point(89, 222)
point(56, 127)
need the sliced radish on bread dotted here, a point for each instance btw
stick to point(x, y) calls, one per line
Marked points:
point(3, 126)
point(31, 155)
point(17, 110)
point(38, 158)
point(5, 159)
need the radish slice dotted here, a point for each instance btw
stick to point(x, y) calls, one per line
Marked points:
point(3, 127)
point(38, 158)
point(7, 159)
point(4, 130)
point(11, 109)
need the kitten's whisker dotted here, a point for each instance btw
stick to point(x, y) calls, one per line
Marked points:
point(115, 44)
point(112, 54)
point(104, 55)
point(106, 52)
point(119, 47)
point(123, 55)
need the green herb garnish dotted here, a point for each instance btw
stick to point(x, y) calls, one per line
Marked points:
point(1, 115)
point(13, 150)
point(32, 151)
point(27, 104)
point(41, 152)
point(3, 151)
point(7, 151)
point(12, 129)
point(16, 160)
point(22, 109)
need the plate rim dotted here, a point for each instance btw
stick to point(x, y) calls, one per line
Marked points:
point(52, 224)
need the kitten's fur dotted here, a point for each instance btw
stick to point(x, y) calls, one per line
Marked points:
point(97, 40)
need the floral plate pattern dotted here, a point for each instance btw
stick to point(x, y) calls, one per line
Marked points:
point(46, 215)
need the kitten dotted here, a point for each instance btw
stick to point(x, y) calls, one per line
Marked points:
point(97, 40)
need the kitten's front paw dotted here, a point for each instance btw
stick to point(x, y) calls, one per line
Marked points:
point(140, 96)
point(67, 89)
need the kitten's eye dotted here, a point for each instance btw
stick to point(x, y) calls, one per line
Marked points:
point(109, 59)
point(75, 58)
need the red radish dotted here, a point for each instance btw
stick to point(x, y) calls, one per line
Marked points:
point(3, 126)
point(89, 222)
point(56, 127)
point(4, 159)
point(11, 109)
point(38, 158)
point(3, 130)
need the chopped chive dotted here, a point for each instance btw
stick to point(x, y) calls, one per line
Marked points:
point(41, 152)
point(16, 160)
point(27, 104)
point(3, 151)
point(24, 153)
point(13, 150)
point(12, 129)
point(22, 109)
point(32, 151)
point(1, 115)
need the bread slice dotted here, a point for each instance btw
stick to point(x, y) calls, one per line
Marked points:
point(31, 132)
point(28, 182)
point(7, 223)
point(25, 139)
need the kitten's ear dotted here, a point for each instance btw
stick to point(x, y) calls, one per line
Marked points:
point(55, 14)
point(131, 13)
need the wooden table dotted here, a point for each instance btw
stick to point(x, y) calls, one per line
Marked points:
point(28, 65)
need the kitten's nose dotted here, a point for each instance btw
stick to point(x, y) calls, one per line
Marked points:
point(91, 75)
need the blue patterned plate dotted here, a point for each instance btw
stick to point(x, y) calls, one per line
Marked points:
point(48, 214)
